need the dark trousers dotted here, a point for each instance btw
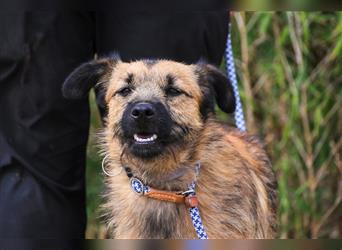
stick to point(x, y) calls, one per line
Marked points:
point(43, 137)
point(30, 209)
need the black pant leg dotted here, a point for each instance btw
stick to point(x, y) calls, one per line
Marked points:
point(29, 209)
point(40, 129)
point(184, 36)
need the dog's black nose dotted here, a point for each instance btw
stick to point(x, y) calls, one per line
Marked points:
point(143, 110)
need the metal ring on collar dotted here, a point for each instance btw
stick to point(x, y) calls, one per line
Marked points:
point(105, 171)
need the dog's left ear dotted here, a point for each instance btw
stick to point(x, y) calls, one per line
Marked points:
point(86, 76)
point(215, 83)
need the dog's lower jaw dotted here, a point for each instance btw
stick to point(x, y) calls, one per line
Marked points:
point(172, 170)
point(145, 152)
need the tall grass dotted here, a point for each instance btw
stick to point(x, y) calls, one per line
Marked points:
point(290, 71)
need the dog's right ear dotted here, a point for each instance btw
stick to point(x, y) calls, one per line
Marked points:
point(214, 85)
point(86, 76)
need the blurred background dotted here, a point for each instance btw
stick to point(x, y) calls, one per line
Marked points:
point(289, 66)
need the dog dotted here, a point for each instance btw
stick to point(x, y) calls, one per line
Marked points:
point(161, 129)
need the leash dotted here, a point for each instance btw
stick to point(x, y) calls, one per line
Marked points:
point(230, 67)
point(194, 212)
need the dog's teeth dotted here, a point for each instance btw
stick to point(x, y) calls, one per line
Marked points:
point(138, 139)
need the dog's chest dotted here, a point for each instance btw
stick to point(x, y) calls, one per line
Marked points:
point(162, 219)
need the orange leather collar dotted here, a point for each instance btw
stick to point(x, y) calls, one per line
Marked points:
point(176, 197)
point(188, 197)
point(165, 195)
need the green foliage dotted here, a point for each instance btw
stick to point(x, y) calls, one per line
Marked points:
point(289, 66)
point(94, 176)
point(293, 62)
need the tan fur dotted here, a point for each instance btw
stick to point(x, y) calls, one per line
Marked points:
point(235, 186)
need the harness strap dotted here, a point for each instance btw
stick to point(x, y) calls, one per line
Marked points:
point(230, 66)
point(196, 217)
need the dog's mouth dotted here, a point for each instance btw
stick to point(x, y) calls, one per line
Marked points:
point(145, 138)
point(145, 145)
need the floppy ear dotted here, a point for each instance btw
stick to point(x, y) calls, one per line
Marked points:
point(86, 76)
point(215, 84)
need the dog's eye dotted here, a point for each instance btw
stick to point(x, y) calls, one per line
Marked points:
point(124, 91)
point(173, 91)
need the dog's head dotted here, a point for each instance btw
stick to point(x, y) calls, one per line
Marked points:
point(153, 105)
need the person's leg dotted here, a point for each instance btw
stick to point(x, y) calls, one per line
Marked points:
point(184, 36)
point(42, 192)
point(29, 209)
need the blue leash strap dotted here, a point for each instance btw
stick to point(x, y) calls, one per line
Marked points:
point(196, 218)
point(230, 67)
point(194, 211)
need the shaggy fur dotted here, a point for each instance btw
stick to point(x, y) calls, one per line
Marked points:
point(236, 187)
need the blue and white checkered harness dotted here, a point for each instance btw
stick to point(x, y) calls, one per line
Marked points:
point(230, 67)
point(194, 211)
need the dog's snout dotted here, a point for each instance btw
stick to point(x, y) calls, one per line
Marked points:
point(142, 110)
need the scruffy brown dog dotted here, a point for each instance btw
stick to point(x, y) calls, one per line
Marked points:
point(160, 126)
